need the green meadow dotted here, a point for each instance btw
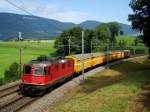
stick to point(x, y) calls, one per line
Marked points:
point(9, 52)
point(130, 41)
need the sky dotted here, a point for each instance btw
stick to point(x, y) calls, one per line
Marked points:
point(75, 11)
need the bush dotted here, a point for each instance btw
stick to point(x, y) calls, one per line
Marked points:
point(1, 81)
point(12, 73)
point(140, 51)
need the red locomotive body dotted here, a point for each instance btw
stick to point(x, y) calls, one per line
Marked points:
point(41, 75)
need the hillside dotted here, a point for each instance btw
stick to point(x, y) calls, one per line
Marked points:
point(89, 24)
point(30, 26)
point(38, 27)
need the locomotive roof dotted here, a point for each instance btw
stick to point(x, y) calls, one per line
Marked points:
point(46, 63)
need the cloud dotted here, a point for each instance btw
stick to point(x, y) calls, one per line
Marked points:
point(54, 12)
point(73, 16)
point(45, 9)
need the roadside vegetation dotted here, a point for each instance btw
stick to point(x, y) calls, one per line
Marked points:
point(112, 90)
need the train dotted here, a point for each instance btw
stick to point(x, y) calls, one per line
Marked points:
point(40, 75)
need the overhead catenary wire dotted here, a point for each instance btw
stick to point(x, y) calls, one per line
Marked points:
point(22, 9)
point(29, 13)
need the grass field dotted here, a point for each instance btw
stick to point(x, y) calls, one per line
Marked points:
point(128, 39)
point(112, 90)
point(130, 43)
point(9, 52)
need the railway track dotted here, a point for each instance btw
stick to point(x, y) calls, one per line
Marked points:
point(9, 90)
point(17, 103)
point(12, 101)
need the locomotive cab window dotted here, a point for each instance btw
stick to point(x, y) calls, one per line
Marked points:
point(40, 71)
point(27, 70)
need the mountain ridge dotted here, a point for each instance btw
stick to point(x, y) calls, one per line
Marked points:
point(41, 28)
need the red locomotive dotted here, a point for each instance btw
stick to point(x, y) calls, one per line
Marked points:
point(40, 75)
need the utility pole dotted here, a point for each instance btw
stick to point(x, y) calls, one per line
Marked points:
point(20, 54)
point(83, 54)
point(69, 45)
point(107, 53)
point(121, 48)
point(91, 46)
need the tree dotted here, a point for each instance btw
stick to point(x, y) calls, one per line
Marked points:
point(137, 40)
point(95, 39)
point(114, 28)
point(102, 32)
point(62, 42)
point(121, 32)
point(122, 44)
point(141, 19)
point(89, 35)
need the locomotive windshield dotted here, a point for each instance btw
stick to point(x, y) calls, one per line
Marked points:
point(40, 71)
point(27, 70)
